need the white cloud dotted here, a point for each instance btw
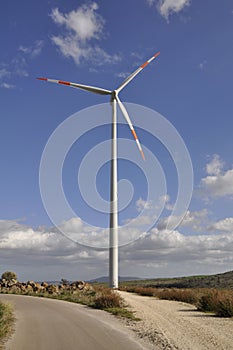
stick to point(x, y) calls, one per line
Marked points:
point(166, 200)
point(195, 220)
point(34, 50)
point(84, 28)
point(17, 67)
point(85, 23)
point(4, 73)
point(150, 2)
point(141, 204)
point(163, 201)
point(7, 86)
point(168, 7)
point(225, 225)
point(170, 253)
point(123, 75)
point(218, 183)
point(203, 64)
point(44, 253)
point(215, 166)
point(76, 230)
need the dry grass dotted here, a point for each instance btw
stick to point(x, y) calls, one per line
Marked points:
point(6, 320)
point(219, 302)
point(106, 298)
point(99, 297)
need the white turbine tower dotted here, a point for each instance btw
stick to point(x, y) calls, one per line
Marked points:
point(113, 236)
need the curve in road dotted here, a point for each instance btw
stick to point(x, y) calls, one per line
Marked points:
point(51, 324)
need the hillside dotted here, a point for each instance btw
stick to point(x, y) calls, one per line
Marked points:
point(105, 279)
point(219, 281)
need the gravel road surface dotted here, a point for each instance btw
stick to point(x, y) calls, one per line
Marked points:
point(175, 325)
point(51, 324)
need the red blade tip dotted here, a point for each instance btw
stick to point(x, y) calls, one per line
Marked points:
point(157, 54)
point(41, 78)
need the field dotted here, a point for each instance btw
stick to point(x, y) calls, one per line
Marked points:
point(212, 293)
point(217, 281)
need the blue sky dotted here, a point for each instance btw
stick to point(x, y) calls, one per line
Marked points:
point(190, 84)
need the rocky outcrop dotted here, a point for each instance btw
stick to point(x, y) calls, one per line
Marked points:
point(14, 286)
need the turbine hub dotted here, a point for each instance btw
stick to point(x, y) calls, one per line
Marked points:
point(114, 95)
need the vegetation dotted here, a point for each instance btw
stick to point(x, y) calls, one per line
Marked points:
point(6, 320)
point(9, 275)
point(218, 281)
point(208, 293)
point(217, 301)
point(97, 297)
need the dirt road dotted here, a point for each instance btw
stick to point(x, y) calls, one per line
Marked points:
point(176, 325)
point(57, 325)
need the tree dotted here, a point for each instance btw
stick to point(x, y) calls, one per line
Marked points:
point(9, 275)
point(65, 282)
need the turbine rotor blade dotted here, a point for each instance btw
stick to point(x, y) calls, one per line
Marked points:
point(127, 118)
point(133, 75)
point(93, 89)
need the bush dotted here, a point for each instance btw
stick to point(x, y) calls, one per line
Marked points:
point(9, 275)
point(189, 296)
point(209, 300)
point(224, 307)
point(107, 298)
point(219, 302)
point(145, 291)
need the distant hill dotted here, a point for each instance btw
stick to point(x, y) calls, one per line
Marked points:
point(220, 281)
point(105, 279)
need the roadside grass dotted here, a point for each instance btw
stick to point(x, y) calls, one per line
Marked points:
point(219, 302)
point(6, 320)
point(99, 297)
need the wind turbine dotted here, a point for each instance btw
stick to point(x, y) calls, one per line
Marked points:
point(113, 235)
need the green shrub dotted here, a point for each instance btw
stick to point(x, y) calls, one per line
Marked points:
point(9, 275)
point(6, 319)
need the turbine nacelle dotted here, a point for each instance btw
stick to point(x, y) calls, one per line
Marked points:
point(114, 95)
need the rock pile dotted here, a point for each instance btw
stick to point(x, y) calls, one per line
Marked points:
point(14, 286)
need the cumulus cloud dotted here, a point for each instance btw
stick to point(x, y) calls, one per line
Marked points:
point(163, 201)
point(168, 7)
point(167, 253)
point(28, 250)
point(14, 235)
point(218, 183)
point(225, 225)
point(76, 230)
point(162, 251)
point(141, 204)
point(215, 166)
point(195, 220)
point(84, 27)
